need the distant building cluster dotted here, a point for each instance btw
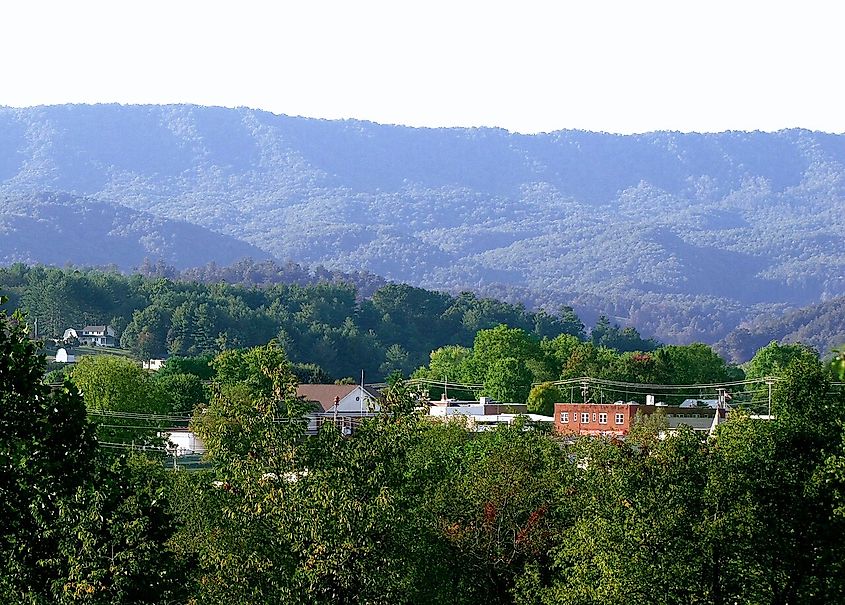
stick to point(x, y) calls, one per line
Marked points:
point(89, 336)
point(346, 405)
point(484, 414)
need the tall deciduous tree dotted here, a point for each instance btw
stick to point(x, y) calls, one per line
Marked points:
point(116, 391)
point(254, 420)
point(74, 527)
point(182, 392)
point(47, 449)
point(691, 364)
point(773, 359)
point(508, 380)
point(114, 537)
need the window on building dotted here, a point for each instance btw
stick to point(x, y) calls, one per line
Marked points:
point(594, 416)
point(585, 417)
point(620, 418)
point(602, 418)
point(564, 416)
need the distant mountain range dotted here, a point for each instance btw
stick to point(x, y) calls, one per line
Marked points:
point(685, 236)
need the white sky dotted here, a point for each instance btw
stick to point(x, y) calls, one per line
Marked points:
point(528, 66)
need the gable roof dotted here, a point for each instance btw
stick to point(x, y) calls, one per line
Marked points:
point(324, 394)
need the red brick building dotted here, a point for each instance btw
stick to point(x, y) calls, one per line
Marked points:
point(594, 418)
point(615, 418)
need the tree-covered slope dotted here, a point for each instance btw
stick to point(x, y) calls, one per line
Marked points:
point(59, 228)
point(820, 326)
point(683, 235)
point(330, 323)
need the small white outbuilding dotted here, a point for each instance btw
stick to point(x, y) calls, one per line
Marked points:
point(63, 357)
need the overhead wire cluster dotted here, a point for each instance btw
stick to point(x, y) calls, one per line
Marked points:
point(753, 395)
point(158, 423)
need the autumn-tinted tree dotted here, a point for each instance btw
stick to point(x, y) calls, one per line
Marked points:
point(499, 511)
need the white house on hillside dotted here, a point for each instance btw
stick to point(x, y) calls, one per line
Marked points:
point(97, 336)
point(100, 336)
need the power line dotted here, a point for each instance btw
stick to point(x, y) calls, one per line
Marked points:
point(649, 386)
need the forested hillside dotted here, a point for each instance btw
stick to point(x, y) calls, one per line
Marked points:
point(682, 235)
point(323, 323)
point(820, 326)
point(57, 228)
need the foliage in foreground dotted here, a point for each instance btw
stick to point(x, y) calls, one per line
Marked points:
point(408, 511)
point(78, 525)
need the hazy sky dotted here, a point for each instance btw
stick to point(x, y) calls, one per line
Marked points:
point(617, 66)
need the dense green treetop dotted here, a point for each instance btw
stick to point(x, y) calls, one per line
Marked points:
point(542, 399)
point(328, 323)
point(774, 358)
point(113, 387)
point(77, 526)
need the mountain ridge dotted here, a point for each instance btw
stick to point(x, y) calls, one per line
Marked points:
point(687, 234)
point(56, 228)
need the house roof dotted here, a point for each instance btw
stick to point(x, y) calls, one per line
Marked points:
point(325, 394)
point(94, 328)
